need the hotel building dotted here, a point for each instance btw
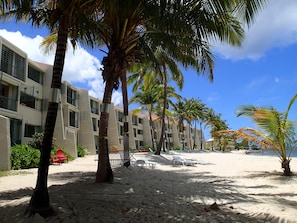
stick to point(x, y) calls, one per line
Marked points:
point(24, 93)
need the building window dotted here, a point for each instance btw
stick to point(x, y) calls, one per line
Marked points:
point(140, 120)
point(12, 63)
point(140, 132)
point(94, 107)
point(35, 75)
point(134, 120)
point(121, 130)
point(73, 119)
point(8, 97)
point(30, 130)
point(71, 96)
point(27, 100)
point(120, 116)
point(94, 121)
point(15, 131)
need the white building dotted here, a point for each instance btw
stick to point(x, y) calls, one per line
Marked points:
point(24, 93)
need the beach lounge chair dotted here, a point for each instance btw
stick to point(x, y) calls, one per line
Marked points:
point(60, 157)
point(180, 161)
point(137, 162)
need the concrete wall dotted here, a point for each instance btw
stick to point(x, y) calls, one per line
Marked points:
point(5, 163)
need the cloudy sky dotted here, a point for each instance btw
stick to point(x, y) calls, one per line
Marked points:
point(262, 72)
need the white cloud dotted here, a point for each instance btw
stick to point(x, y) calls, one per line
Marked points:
point(274, 27)
point(80, 66)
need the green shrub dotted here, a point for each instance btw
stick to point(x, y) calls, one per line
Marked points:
point(176, 148)
point(24, 157)
point(81, 151)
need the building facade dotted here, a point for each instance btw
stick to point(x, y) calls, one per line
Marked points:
point(24, 93)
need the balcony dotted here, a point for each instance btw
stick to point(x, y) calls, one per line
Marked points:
point(8, 103)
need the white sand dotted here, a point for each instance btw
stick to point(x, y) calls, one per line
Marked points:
point(246, 188)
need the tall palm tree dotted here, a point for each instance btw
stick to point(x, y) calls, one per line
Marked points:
point(147, 97)
point(133, 26)
point(279, 132)
point(195, 111)
point(65, 19)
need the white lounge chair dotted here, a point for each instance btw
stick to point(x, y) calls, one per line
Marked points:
point(137, 162)
point(181, 161)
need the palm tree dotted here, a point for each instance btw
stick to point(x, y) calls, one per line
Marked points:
point(147, 97)
point(279, 132)
point(195, 111)
point(63, 18)
point(132, 27)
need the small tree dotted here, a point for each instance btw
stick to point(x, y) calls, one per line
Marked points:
point(278, 132)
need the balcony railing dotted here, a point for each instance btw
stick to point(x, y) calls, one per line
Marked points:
point(8, 103)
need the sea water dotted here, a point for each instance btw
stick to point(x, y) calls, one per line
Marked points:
point(272, 153)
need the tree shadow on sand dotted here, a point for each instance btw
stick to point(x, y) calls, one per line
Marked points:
point(138, 195)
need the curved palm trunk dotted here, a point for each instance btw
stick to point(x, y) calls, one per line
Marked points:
point(126, 113)
point(40, 202)
point(104, 172)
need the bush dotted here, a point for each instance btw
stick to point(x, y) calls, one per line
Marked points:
point(24, 157)
point(81, 151)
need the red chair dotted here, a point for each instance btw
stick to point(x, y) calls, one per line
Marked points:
point(60, 157)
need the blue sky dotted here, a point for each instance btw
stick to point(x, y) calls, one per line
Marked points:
point(262, 72)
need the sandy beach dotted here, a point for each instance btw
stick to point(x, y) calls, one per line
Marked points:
point(221, 187)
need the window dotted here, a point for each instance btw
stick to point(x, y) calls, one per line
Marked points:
point(140, 120)
point(15, 131)
point(27, 100)
point(12, 63)
point(94, 107)
point(120, 116)
point(94, 121)
point(31, 129)
point(134, 120)
point(140, 132)
point(8, 97)
point(71, 96)
point(73, 119)
point(121, 130)
point(35, 75)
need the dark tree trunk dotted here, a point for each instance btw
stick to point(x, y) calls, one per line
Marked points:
point(286, 167)
point(161, 141)
point(40, 202)
point(126, 124)
point(152, 130)
point(104, 172)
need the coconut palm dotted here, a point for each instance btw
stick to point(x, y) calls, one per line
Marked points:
point(132, 27)
point(195, 112)
point(147, 97)
point(278, 132)
point(65, 19)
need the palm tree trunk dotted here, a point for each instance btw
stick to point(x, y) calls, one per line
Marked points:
point(104, 172)
point(158, 152)
point(126, 113)
point(40, 202)
point(152, 130)
point(286, 167)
